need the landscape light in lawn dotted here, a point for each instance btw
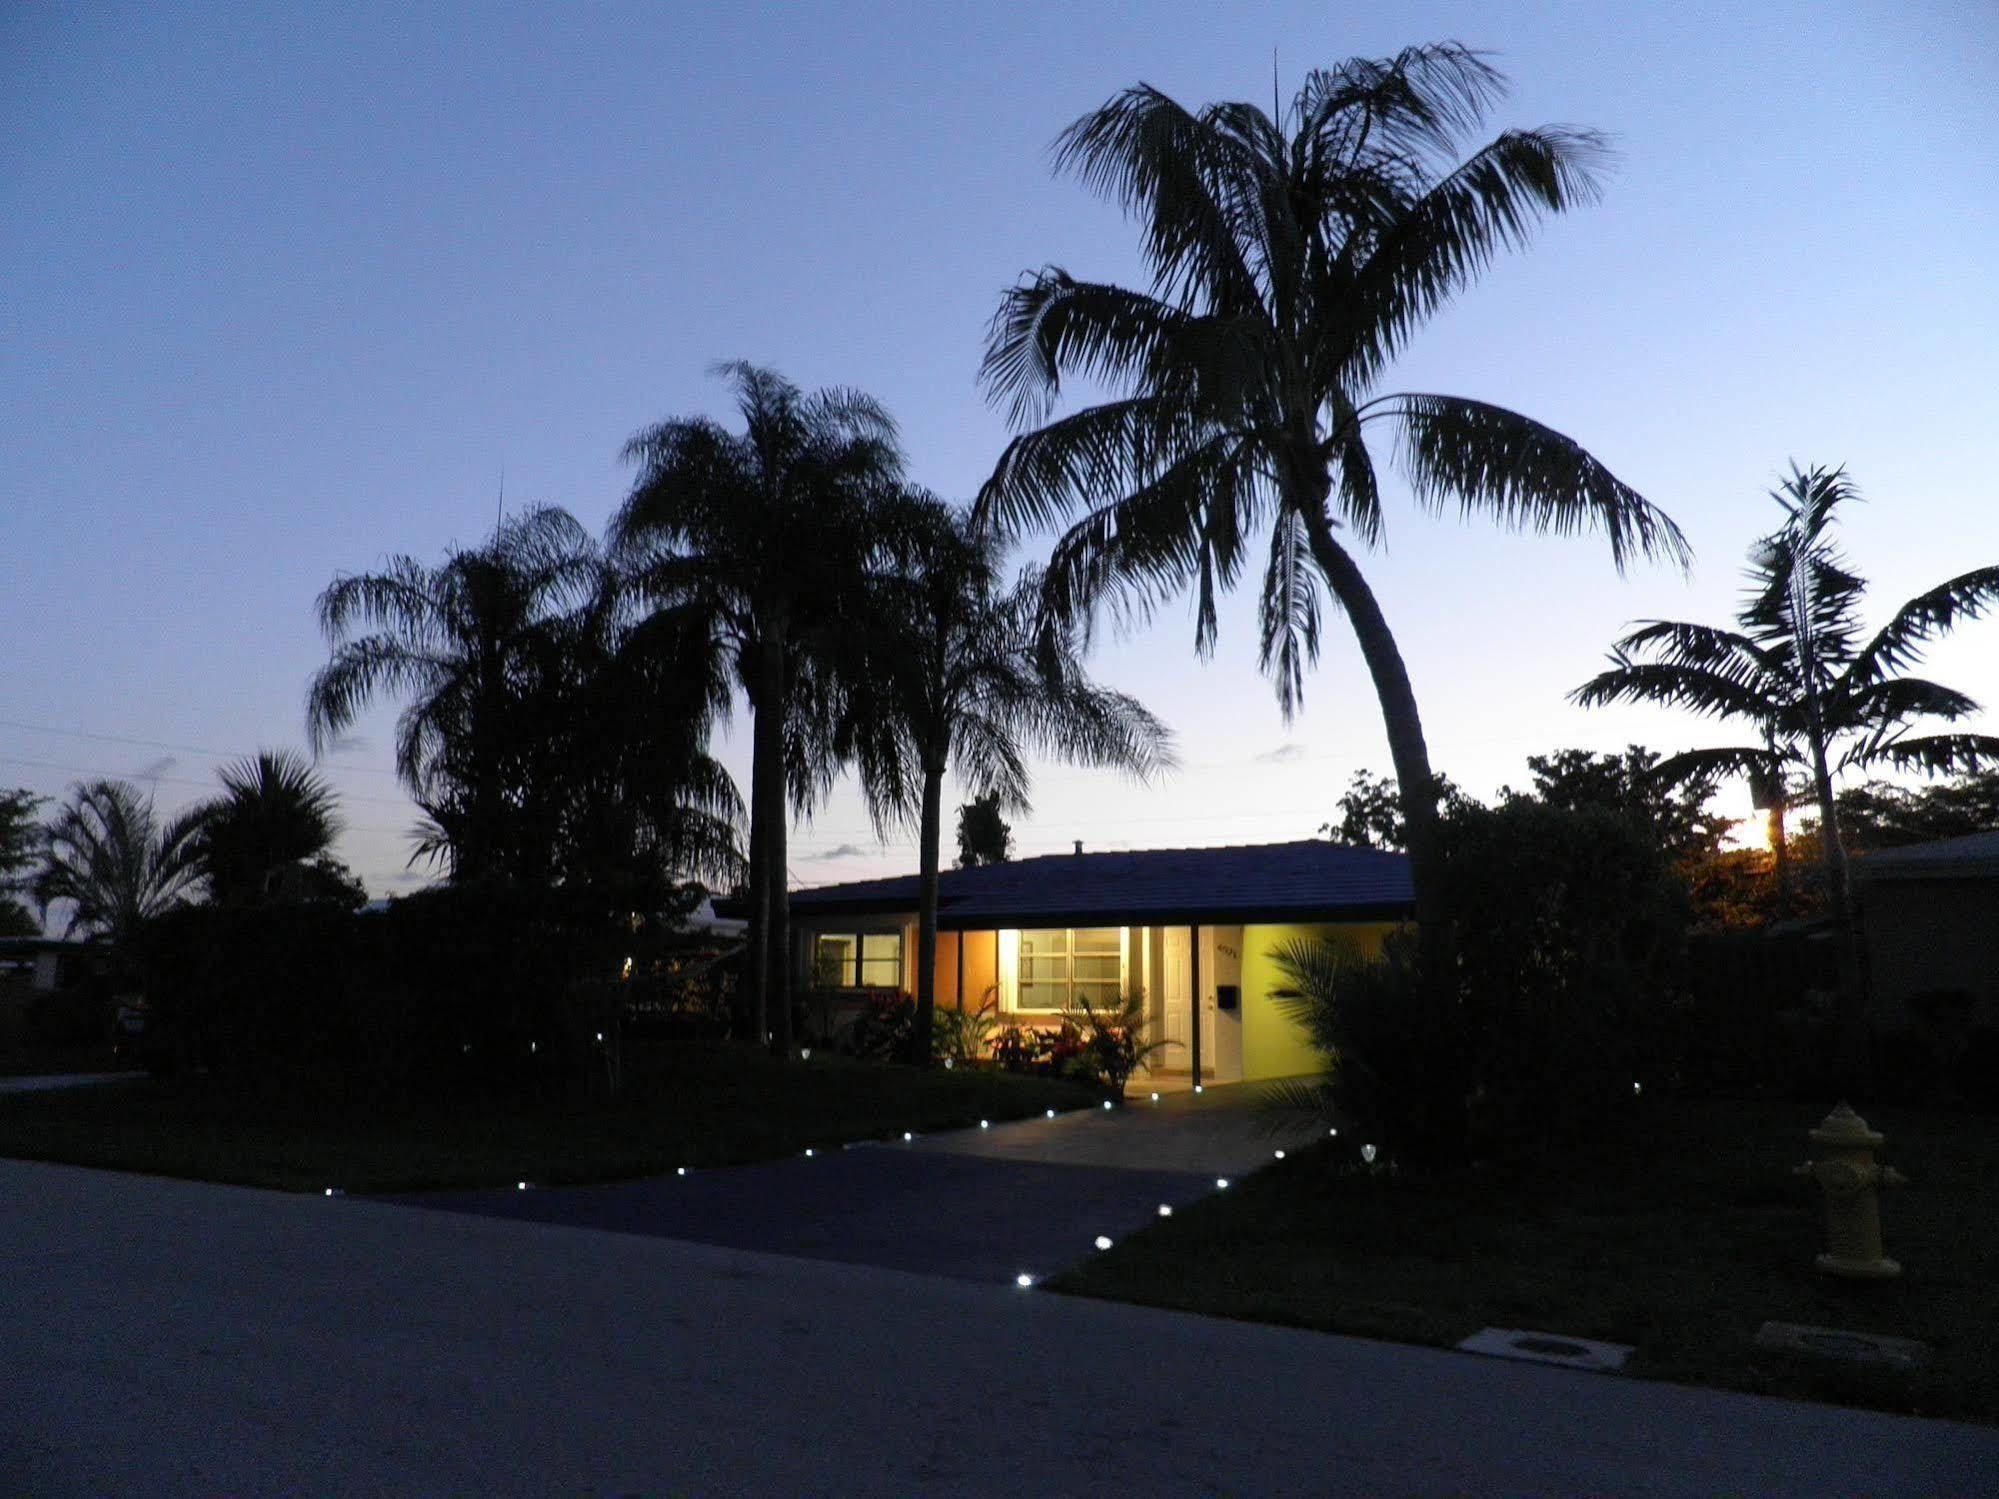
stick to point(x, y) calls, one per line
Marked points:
point(804, 1053)
point(1334, 1130)
point(1166, 1210)
point(1023, 1280)
point(1103, 1241)
point(1107, 1103)
point(808, 1152)
point(600, 1038)
point(908, 1135)
point(680, 1171)
point(1155, 1098)
point(947, 1064)
point(1198, 1088)
point(335, 1192)
point(1051, 1113)
point(522, 1186)
point(985, 1124)
point(1280, 1155)
point(1367, 1153)
point(1637, 1087)
point(1222, 1183)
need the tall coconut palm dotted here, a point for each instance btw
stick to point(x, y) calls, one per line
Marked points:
point(275, 815)
point(959, 679)
point(1291, 259)
point(758, 541)
point(459, 643)
point(115, 863)
point(1817, 692)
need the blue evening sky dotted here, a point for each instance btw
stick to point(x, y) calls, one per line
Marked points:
point(285, 289)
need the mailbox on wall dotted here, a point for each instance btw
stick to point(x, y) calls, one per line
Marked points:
point(1228, 996)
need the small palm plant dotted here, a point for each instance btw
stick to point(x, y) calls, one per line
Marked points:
point(1117, 1037)
point(115, 863)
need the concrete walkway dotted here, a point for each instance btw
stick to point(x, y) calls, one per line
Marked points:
point(168, 1338)
point(43, 1082)
point(1221, 1131)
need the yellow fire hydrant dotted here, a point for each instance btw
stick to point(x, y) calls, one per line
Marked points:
point(1852, 1182)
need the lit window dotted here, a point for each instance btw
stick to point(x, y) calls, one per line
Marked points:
point(1061, 966)
point(858, 960)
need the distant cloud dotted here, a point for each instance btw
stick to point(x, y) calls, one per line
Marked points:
point(410, 877)
point(153, 770)
point(346, 744)
point(1284, 754)
point(844, 851)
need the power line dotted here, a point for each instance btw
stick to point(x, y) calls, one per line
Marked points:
point(186, 749)
point(124, 775)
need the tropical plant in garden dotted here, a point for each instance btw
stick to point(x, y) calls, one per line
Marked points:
point(114, 863)
point(1292, 259)
point(461, 643)
point(960, 679)
point(761, 542)
point(1816, 691)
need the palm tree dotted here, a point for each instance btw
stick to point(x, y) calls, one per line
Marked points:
point(1291, 260)
point(759, 542)
point(1817, 693)
point(117, 865)
point(274, 817)
point(460, 643)
point(958, 678)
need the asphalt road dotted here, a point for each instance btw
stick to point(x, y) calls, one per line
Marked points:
point(169, 1338)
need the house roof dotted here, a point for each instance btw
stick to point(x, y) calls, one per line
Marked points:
point(1309, 880)
point(1974, 856)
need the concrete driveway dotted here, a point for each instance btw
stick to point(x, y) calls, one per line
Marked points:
point(170, 1338)
point(987, 1205)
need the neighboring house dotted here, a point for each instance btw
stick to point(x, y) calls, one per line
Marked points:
point(1028, 937)
point(31, 967)
point(1930, 913)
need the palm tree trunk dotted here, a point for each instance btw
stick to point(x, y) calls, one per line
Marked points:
point(1780, 853)
point(926, 920)
point(748, 1009)
point(1853, 1048)
point(1406, 746)
point(766, 817)
point(777, 810)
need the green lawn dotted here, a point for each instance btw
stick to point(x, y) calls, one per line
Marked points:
point(683, 1105)
point(1680, 1237)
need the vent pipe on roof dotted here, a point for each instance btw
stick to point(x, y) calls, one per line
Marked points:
point(1079, 847)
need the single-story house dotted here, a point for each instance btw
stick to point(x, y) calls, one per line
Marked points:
point(1191, 928)
point(1930, 915)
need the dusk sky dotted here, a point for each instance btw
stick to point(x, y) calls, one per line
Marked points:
point(287, 289)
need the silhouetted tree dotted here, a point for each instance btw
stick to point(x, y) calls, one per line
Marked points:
point(984, 835)
point(1291, 261)
point(258, 839)
point(960, 679)
point(760, 542)
point(115, 864)
point(20, 848)
point(1817, 692)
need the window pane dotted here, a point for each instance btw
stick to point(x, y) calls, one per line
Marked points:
point(876, 946)
point(1099, 939)
point(1043, 996)
point(833, 961)
point(1043, 970)
point(1102, 996)
point(1044, 944)
point(883, 973)
point(1102, 969)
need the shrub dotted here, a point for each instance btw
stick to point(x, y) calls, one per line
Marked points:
point(1020, 1049)
point(1563, 959)
point(454, 991)
point(1114, 1040)
point(881, 1031)
point(962, 1036)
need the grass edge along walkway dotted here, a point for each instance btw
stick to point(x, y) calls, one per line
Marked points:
point(682, 1105)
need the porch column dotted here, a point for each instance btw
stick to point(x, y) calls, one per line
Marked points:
point(1194, 999)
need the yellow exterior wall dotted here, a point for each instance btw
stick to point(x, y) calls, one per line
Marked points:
point(1274, 1045)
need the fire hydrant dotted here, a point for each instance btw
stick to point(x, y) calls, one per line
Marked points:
point(1852, 1182)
